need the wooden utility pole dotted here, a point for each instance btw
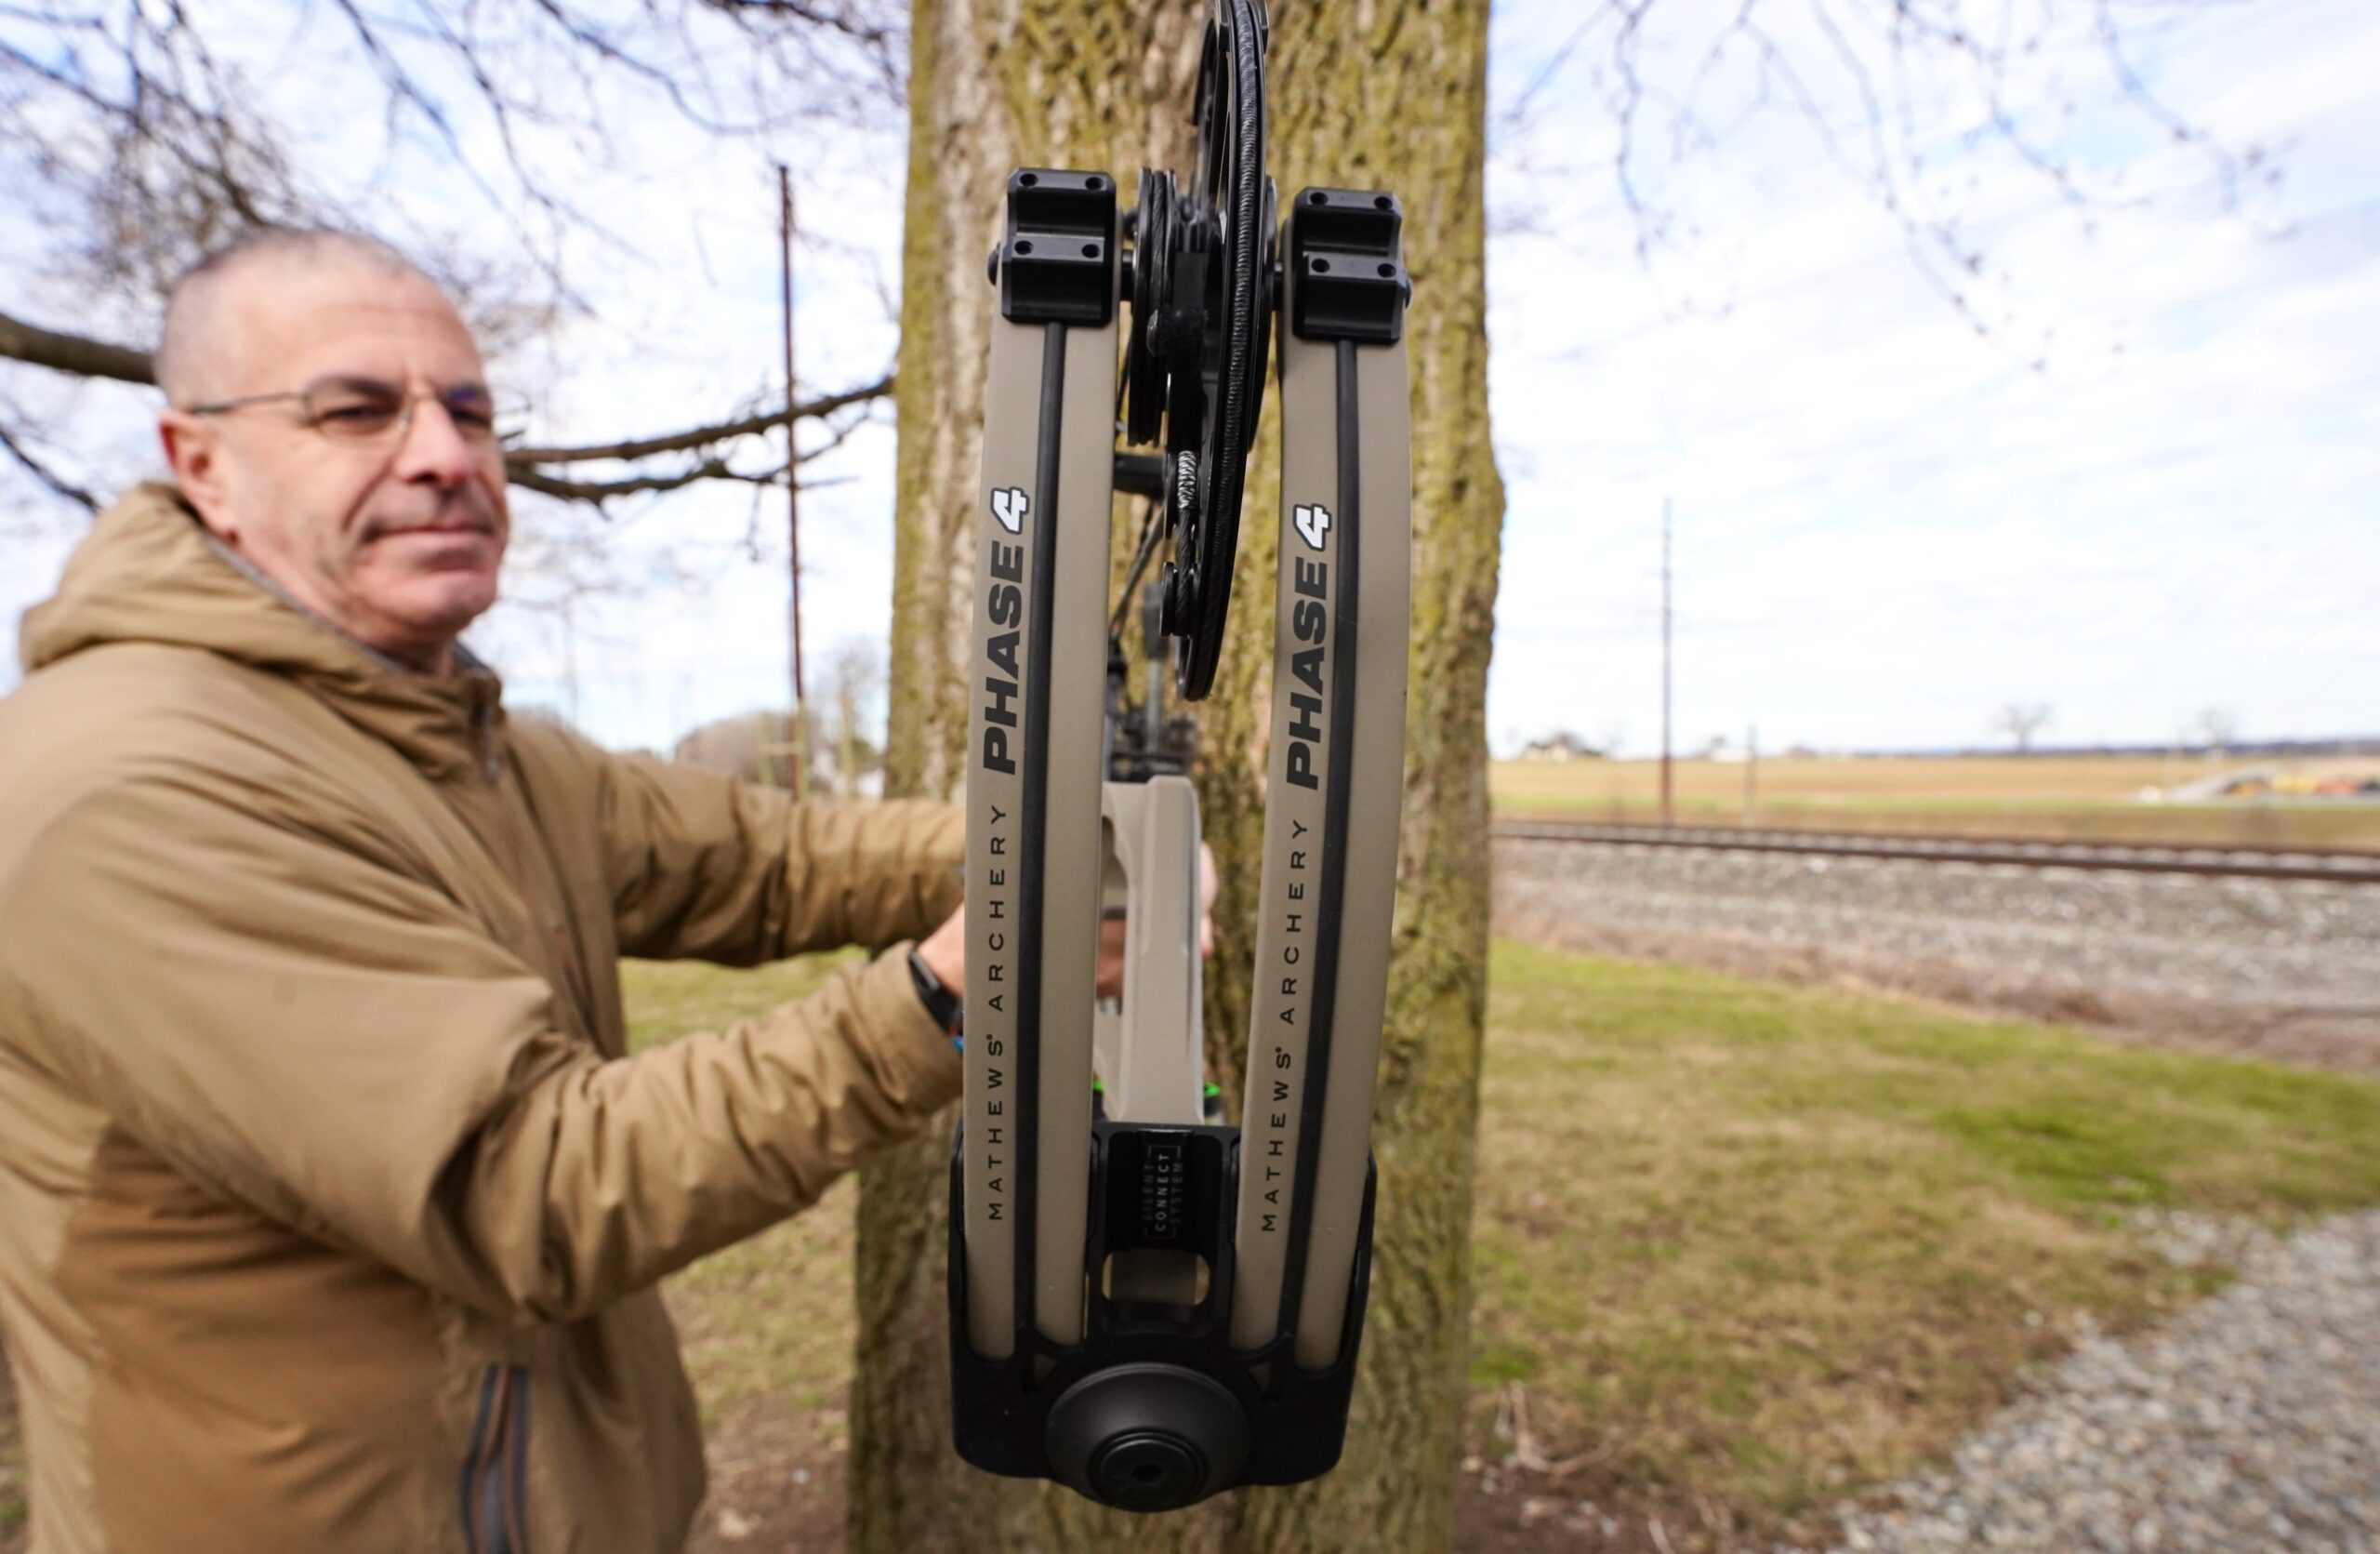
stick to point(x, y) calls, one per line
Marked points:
point(1751, 771)
point(1668, 814)
point(796, 747)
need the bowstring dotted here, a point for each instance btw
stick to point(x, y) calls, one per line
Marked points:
point(1132, 578)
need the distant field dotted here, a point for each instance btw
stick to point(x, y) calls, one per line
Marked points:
point(2083, 797)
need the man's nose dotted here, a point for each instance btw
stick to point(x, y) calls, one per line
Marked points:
point(435, 451)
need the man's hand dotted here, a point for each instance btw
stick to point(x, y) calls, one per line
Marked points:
point(945, 949)
point(944, 952)
point(1109, 978)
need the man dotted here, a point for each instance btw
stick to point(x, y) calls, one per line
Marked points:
point(331, 1205)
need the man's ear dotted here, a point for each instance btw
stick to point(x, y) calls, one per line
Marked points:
point(193, 451)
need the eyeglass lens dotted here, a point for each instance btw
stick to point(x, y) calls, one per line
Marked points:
point(365, 407)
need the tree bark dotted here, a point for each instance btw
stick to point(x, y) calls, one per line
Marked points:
point(1363, 94)
point(992, 85)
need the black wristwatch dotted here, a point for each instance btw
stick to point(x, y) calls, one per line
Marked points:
point(940, 1002)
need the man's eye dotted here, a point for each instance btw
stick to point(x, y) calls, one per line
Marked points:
point(473, 418)
point(362, 413)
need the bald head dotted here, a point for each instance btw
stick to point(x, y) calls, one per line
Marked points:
point(199, 351)
point(328, 418)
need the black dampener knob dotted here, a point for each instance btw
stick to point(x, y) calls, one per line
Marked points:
point(1147, 1437)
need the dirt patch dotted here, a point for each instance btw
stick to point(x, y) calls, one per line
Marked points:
point(777, 1483)
point(1525, 1515)
point(1518, 1494)
point(777, 1488)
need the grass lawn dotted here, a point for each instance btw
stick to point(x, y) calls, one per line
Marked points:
point(1741, 1249)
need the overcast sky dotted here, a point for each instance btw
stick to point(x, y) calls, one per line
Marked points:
point(2133, 472)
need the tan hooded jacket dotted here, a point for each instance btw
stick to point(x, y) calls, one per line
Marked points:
point(331, 1206)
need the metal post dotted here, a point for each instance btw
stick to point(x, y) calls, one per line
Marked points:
point(1751, 771)
point(796, 746)
point(1668, 815)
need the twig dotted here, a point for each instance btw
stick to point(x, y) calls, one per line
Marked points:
point(1512, 1423)
point(681, 442)
point(48, 477)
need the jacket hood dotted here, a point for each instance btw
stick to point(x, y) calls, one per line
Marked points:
point(149, 572)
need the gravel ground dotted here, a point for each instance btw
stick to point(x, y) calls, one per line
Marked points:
point(2284, 969)
point(2252, 1423)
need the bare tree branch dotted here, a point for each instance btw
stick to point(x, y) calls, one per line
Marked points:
point(47, 475)
point(524, 467)
point(82, 357)
point(701, 436)
point(523, 471)
point(72, 354)
point(1887, 88)
point(147, 144)
point(597, 492)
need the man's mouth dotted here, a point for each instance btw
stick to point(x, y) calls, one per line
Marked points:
point(447, 527)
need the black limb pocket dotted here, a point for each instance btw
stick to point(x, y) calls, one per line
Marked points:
point(1154, 1409)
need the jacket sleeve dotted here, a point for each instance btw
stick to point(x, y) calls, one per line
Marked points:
point(321, 1035)
point(707, 868)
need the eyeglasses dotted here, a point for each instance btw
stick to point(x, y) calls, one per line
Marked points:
point(369, 410)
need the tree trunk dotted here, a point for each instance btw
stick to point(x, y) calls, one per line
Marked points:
point(1363, 93)
point(992, 85)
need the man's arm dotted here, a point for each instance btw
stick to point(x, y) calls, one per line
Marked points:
point(334, 1044)
point(707, 867)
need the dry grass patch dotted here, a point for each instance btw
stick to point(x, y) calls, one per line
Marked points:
point(668, 999)
point(1840, 780)
point(770, 1318)
point(2083, 798)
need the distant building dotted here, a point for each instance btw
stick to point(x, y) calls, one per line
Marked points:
point(1564, 746)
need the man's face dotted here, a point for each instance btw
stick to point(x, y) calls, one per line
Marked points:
point(393, 538)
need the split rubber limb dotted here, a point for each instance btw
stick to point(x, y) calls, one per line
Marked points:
point(1335, 781)
point(1033, 772)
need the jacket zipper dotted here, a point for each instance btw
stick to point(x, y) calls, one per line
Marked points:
point(483, 736)
point(494, 1507)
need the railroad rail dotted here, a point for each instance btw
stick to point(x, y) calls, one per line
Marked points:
point(2244, 861)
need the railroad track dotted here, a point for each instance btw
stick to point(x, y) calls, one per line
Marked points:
point(2140, 857)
